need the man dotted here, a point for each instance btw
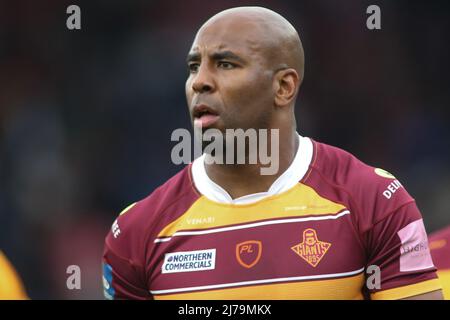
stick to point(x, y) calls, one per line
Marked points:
point(440, 251)
point(11, 287)
point(312, 230)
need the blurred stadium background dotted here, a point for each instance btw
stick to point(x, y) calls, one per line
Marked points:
point(86, 116)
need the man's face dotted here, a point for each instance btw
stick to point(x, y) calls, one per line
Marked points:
point(229, 84)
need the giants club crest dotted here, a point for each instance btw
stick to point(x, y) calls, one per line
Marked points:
point(248, 253)
point(311, 249)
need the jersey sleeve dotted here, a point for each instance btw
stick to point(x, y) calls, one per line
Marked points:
point(123, 267)
point(398, 248)
point(398, 259)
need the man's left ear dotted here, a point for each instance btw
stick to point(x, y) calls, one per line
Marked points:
point(286, 84)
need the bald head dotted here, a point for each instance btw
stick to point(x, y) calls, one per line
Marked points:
point(264, 31)
point(245, 66)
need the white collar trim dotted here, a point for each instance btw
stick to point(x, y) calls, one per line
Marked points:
point(293, 174)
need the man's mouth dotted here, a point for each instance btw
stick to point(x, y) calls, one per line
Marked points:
point(204, 116)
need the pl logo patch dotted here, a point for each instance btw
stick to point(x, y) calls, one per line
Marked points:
point(248, 253)
point(312, 250)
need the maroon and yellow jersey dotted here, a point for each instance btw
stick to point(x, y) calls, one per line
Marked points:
point(440, 251)
point(330, 227)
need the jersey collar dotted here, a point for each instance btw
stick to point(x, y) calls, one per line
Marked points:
point(293, 174)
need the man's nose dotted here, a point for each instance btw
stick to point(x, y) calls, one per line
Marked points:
point(203, 81)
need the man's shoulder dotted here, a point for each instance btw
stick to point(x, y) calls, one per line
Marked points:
point(179, 188)
point(147, 216)
point(372, 193)
point(342, 168)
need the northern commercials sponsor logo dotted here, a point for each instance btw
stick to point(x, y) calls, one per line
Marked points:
point(189, 261)
point(312, 250)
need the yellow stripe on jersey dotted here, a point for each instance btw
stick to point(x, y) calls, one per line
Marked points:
point(444, 277)
point(301, 200)
point(127, 208)
point(10, 285)
point(345, 288)
point(408, 291)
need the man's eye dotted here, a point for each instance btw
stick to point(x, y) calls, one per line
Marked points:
point(226, 65)
point(193, 67)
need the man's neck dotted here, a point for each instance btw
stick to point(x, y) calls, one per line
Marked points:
point(244, 179)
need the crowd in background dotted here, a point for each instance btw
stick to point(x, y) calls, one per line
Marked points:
point(86, 115)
